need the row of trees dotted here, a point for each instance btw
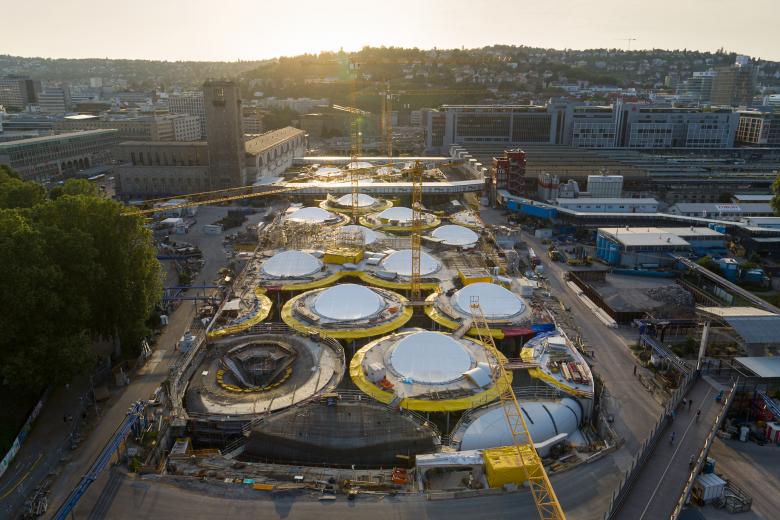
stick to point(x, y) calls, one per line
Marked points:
point(74, 269)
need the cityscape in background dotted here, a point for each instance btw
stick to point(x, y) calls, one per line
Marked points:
point(501, 282)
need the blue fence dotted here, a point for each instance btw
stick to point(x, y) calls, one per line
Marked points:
point(132, 421)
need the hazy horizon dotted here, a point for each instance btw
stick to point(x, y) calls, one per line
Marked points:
point(198, 30)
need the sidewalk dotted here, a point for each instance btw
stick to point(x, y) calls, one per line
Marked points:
point(48, 441)
point(661, 481)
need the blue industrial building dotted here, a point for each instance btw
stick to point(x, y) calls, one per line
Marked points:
point(652, 247)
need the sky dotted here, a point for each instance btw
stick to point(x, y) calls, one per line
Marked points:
point(259, 29)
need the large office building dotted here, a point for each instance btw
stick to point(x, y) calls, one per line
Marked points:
point(622, 125)
point(54, 100)
point(53, 157)
point(177, 127)
point(641, 125)
point(252, 120)
point(759, 128)
point(189, 103)
point(697, 88)
point(17, 92)
point(734, 85)
point(225, 134)
point(492, 124)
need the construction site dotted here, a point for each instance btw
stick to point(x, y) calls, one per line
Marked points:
point(379, 325)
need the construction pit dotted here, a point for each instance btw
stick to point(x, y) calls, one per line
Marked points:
point(244, 376)
point(341, 429)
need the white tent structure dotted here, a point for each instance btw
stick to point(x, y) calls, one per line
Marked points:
point(400, 262)
point(311, 215)
point(497, 303)
point(291, 264)
point(454, 235)
point(430, 358)
point(348, 302)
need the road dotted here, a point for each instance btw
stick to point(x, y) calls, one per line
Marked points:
point(142, 499)
point(663, 476)
point(754, 468)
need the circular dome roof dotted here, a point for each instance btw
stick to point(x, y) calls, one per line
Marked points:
point(455, 235)
point(400, 263)
point(359, 164)
point(289, 264)
point(363, 200)
point(369, 235)
point(346, 302)
point(496, 301)
point(430, 357)
point(399, 213)
point(310, 215)
point(327, 171)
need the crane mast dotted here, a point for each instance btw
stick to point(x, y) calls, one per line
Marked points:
point(543, 493)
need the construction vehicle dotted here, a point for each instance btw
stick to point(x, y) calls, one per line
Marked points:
point(554, 254)
point(526, 455)
point(579, 257)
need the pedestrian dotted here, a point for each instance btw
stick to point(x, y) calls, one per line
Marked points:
point(690, 462)
point(690, 403)
point(65, 418)
point(698, 414)
point(671, 437)
point(634, 369)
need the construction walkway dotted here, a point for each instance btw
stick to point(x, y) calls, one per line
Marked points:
point(661, 481)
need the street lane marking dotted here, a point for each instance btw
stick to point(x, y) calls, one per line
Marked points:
point(24, 477)
point(674, 455)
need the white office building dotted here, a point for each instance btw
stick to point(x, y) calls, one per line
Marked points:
point(186, 128)
point(190, 103)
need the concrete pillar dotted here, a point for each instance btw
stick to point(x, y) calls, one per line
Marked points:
point(705, 335)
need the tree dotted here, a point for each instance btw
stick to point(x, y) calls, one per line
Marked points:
point(707, 262)
point(74, 187)
point(73, 268)
point(16, 193)
point(776, 198)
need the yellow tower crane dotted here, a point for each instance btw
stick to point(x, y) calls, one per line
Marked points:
point(416, 178)
point(526, 455)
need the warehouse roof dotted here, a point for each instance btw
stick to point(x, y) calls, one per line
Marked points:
point(650, 236)
point(762, 366)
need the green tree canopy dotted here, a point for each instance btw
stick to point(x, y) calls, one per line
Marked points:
point(74, 268)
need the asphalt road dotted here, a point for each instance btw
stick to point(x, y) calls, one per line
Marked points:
point(662, 479)
point(141, 499)
point(755, 469)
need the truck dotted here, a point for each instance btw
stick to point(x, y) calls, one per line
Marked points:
point(533, 260)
